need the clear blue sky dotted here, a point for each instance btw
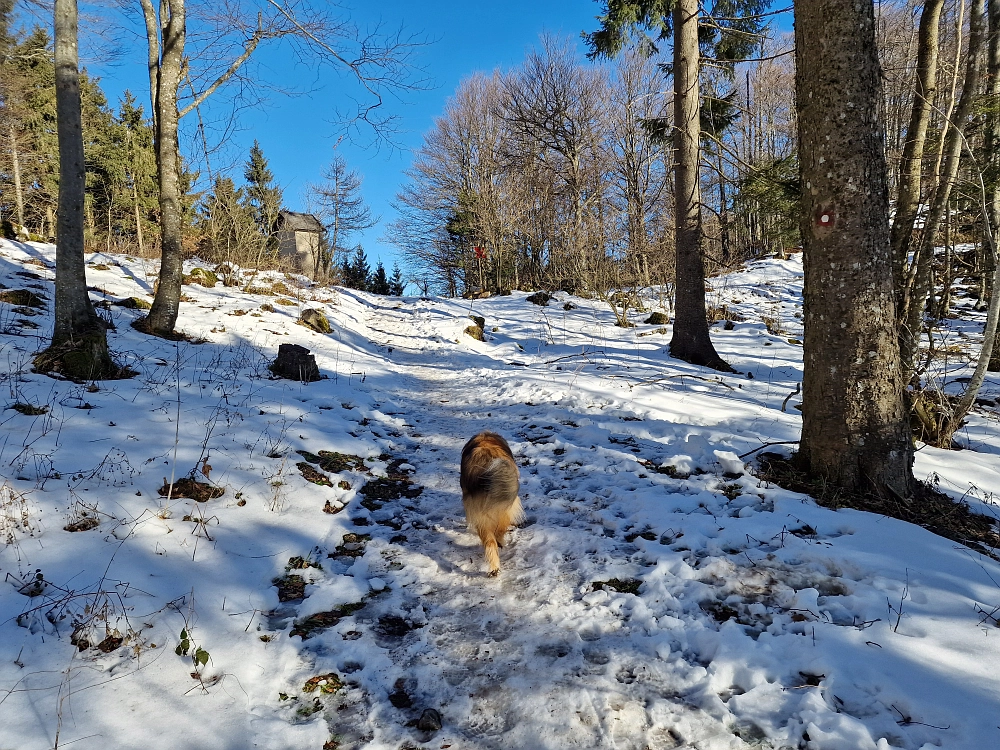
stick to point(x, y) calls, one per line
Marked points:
point(297, 133)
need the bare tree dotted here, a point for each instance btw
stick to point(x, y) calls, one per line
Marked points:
point(919, 280)
point(79, 347)
point(378, 63)
point(342, 208)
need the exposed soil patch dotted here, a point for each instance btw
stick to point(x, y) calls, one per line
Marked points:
point(335, 462)
point(353, 545)
point(313, 624)
point(394, 485)
point(627, 586)
point(84, 524)
point(291, 587)
point(324, 683)
point(311, 475)
point(189, 488)
point(394, 626)
point(929, 508)
point(22, 298)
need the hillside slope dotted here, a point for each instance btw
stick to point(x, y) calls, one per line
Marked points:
point(659, 595)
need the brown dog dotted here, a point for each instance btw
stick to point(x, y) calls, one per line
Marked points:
point(489, 492)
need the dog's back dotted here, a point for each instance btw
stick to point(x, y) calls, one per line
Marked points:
point(490, 482)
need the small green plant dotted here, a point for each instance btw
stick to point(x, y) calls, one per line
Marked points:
point(199, 656)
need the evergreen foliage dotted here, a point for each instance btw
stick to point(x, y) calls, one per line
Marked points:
point(380, 282)
point(120, 201)
point(262, 197)
point(355, 271)
point(396, 284)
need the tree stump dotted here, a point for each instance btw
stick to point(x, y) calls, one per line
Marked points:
point(294, 362)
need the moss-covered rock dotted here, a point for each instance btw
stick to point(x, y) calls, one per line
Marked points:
point(476, 332)
point(133, 303)
point(316, 320)
point(657, 319)
point(202, 277)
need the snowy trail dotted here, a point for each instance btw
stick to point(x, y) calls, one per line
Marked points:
point(518, 661)
point(512, 662)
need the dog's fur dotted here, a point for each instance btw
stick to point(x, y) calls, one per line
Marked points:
point(490, 482)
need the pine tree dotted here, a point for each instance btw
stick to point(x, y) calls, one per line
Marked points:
point(380, 282)
point(263, 197)
point(396, 284)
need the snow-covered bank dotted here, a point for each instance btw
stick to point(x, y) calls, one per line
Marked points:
point(657, 595)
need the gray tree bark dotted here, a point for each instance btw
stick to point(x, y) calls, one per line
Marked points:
point(690, 341)
point(908, 196)
point(919, 282)
point(855, 428)
point(79, 347)
point(165, 63)
point(991, 147)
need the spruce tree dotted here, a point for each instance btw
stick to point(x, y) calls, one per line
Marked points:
point(396, 283)
point(380, 282)
point(263, 197)
point(356, 271)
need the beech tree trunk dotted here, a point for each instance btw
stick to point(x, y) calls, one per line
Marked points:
point(991, 147)
point(855, 428)
point(79, 347)
point(919, 282)
point(165, 77)
point(690, 341)
point(908, 197)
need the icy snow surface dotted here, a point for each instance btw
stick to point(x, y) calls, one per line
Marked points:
point(657, 596)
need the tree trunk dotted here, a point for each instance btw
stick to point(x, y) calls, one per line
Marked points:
point(18, 192)
point(855, 431)
point(919, 282)
point(79, 347)
point(690, 341)
point(166, 303)
point(991, 148)
point(908, 197)
point(138, 221)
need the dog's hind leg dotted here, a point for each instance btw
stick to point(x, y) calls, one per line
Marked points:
point(492, 555)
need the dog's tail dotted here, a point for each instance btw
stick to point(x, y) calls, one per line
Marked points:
point(498, 480)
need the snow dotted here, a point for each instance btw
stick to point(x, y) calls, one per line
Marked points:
point(658, 595)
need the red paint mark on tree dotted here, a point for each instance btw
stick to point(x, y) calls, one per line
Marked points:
point(825, 216)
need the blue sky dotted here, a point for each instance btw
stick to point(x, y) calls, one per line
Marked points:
point(297, 133)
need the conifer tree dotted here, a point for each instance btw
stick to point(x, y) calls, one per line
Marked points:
point(355, 271)
point(262, 197)
point(380, 281)
point(396, 284)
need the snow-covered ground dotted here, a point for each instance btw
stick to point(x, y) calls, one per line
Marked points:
point(658, 595)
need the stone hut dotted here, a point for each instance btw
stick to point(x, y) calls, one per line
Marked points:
point(298, 238)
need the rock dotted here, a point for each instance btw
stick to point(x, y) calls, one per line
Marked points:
point(657, 319)
point(430, 720)
point(315, 319)
point(294, 362)
point(202, 277)
point(540, 298)
point(476, 332)
point(133, 303)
